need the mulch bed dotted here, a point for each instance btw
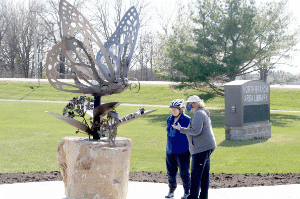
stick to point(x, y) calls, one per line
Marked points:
point(217, 180)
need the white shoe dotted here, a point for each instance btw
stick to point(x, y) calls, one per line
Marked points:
point(185, 196)
point(170, 195)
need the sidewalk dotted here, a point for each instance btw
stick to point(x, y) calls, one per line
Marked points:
point(152, 83)
point(146, 190)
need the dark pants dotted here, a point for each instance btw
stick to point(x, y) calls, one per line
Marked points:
point(200, 175)
point(181, 161)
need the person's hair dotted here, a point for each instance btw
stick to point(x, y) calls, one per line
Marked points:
point(199, 104)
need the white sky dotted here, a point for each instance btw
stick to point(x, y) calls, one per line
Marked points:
point(293, 6)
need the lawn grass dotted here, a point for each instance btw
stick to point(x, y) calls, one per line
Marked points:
point(281, 99)
point(29, 138)
point(151, 95)
point(285, 99)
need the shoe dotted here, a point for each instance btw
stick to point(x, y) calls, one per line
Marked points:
point(185, 196)
point(170, 195)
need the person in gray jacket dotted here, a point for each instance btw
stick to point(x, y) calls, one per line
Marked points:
point(201, 144)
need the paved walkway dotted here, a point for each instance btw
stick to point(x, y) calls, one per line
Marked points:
point(154, 83)
point(146, 190)
point(144, 105)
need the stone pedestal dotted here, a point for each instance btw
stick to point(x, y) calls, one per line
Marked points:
point(249, 132)
point(93, 169)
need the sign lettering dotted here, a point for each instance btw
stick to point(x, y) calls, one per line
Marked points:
point(255, 93)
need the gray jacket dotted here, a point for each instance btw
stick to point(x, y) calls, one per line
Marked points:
point(199, 132)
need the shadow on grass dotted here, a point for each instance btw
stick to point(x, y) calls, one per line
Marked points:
point(33, 89)
point(218, 121)
point(217, 118)
point(283, 120)
point(238, 143)
point(277, 119)
point(157, 118)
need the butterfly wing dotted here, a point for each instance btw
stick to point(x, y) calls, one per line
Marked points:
point(121, 44)
point(76, 53)
point(73, 57)
point(75, 25)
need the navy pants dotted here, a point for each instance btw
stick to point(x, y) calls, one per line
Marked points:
point(181, 161)
point(200, 175)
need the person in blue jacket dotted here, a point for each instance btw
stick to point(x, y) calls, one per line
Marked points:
point(201, 144)
point(178, 155)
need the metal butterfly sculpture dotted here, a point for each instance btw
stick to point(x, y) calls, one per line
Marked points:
point(100, 75)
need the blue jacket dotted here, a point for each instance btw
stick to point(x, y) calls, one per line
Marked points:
point(177, 142)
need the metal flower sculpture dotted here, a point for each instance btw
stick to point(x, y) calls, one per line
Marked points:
point(100, 75)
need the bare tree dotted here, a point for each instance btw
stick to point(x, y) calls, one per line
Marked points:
point(146, 47)
point(4, 22)
point(17, 28)
point(106, 14)
point(167, 20)
point(17, 42)
point(26, 30)
point(50, 31)
point(11, 43)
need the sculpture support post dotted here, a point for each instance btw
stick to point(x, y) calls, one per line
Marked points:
point(97, 103)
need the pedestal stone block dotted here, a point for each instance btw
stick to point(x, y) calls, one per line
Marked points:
point(93, 169)
point(249, 132)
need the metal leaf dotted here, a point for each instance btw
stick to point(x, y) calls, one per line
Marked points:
point(128, 118)
point(71, 121)
point(103, 109)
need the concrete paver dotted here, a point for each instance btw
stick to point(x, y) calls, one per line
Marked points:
point(146, 190)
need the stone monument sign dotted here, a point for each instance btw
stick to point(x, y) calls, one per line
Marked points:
point(247, 110)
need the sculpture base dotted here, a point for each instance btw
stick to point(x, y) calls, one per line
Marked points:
point(93, 169)
point(250, 132)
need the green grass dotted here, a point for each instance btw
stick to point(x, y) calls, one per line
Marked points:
point(29, 136)
point(278, 154)
point(154, 95)
point(285, 99)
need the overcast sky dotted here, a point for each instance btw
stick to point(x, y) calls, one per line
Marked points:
point(293, 6)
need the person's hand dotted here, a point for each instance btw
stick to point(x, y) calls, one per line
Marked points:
point(177, 127)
